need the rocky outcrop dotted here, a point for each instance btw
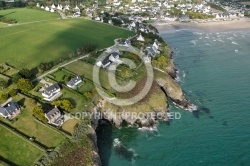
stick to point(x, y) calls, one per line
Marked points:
point(93, 137)
point(174, 91)
point(171, 70)
point(131, 115)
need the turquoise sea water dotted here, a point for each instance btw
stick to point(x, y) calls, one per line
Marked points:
point(214, 72)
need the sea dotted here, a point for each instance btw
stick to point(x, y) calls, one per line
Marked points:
point(214, 73)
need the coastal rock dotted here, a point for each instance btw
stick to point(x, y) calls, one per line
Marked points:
point(174, 91)
point(93, 137)
point(171, 70)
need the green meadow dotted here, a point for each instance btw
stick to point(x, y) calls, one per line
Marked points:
point(23, 15)
point(28, 45)
point(17, 149)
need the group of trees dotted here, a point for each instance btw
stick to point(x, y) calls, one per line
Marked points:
point(3, 83)
point(161, 62)
point(24, 85)
point(38, 112)
point(15, 4)
point(22, 80)
point(197, 15)
point(45, 66)
point(125, 72)
point(63, 104)
point(5, 95)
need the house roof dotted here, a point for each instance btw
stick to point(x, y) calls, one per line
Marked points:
point(150, 50)
point(51, 89)
point(115, 54)
point(9, 108)
point(106, 61)
point(52, 113)
point(74, 80)
point(140, 38)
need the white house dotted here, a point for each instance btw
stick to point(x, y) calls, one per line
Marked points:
point(74, 82)
point(140, 38)
point(114, 56)
point(47, 8)
point(51, 92)
point(53, 6)
point(104, 63)
point(97, 18)
point(59, 7)
point(66, 7)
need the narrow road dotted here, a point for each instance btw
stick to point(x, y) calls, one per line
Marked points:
point(54, 70)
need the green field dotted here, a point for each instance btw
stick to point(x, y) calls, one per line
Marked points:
point(69, 125)
point(23, 15)
point(28, 45)
point(17, 149)
point(3, 24)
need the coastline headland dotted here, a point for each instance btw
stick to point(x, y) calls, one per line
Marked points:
point(153, 107)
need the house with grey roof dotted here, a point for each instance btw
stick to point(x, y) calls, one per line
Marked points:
point(55, 117)
point(10, 109)
point(74, 82)
point(51, 92)
point(151, 51)
point(126, 43)
point(113, 57)
point(104, 63)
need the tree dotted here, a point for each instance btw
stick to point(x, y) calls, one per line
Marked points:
point(116, 22)
point(13, 92)
point(16, 77)
point(63, 104)
point(25, 73)
point(39, 114)
point(3, 83)
point(4, 96)
point(24, 85)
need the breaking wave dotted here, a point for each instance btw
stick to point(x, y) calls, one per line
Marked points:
point(127, 153)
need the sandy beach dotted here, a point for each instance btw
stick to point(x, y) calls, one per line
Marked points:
point(218, 26)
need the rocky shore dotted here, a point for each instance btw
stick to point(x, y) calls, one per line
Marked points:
point(165, 88)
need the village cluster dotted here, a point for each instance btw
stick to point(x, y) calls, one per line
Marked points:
point(159, 11)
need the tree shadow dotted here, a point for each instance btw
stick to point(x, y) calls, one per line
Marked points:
point(21, 102)
point(1, 16)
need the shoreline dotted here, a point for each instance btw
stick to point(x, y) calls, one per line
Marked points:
point(215, 26)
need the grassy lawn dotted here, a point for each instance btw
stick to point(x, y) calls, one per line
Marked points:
point(3, 24)
point(17, 149)
point(77, 99)
point(23, 15)
point(28, 125)
point(87, 86)
point(86, 70)
point(60, 74)
point(69, 125)
point(30, 44)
